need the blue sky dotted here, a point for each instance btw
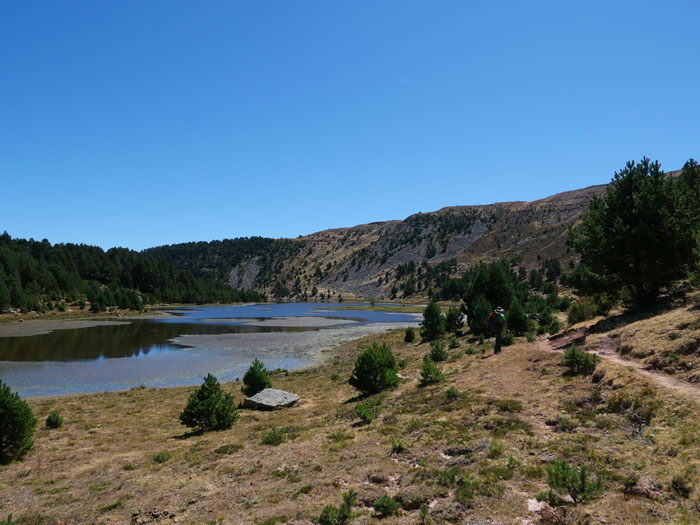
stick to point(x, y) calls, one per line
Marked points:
point(141, 123)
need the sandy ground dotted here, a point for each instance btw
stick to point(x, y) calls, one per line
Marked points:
point(40, 326)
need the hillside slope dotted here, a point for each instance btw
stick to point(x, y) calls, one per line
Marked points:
point(475, 448)
point(376, 259)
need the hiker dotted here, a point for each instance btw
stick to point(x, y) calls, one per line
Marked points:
point(497, 322)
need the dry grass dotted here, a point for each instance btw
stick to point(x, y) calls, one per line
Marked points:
point(667, 342)
point(515, 412)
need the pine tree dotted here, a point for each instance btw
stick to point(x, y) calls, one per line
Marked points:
point(256, 379)
point(17, 424)
point(208, 408)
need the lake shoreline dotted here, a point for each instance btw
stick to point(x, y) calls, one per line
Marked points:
point(45, 326)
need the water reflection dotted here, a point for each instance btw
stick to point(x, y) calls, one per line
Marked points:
point(180, 350)
point(137, 338)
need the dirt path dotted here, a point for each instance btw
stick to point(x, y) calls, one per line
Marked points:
point(559, 343)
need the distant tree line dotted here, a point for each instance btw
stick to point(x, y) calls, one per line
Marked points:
point(38, 276)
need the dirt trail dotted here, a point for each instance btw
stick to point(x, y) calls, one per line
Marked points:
point(559, 343)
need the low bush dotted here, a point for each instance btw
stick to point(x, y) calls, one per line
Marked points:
point(681, 486)
point(508, 339)
point(208, 408)
point(368, 411)
point(577, 483)
point(276, 436)
point(452, 394)
point(397, 446)
point(410, 335)
point(430, 374)
point(54, 420)
point(331, 515)
point(437, 351)
point(375, 370)
point(578, 312)
point(256, 379)
point(448, 477)
point(554, 326)
point(578, 361)
point(161, 457)
point(602, 303)
point(386, 506)
point(639, 407)
point(453, 342)
point(495, 450)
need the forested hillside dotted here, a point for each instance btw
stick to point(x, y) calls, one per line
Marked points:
point(38, 276)
point(419, 256)
point(427, 255)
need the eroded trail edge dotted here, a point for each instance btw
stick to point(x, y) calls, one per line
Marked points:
point(559, 343)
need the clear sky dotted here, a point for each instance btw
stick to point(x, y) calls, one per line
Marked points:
point(140, 123)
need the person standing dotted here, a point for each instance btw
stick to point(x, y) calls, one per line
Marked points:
point(497, 322)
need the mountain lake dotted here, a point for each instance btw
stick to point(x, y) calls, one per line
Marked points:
point(183, 346)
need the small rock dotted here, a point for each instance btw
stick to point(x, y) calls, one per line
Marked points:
point(271, 399)
point(647, 488)
point(547, 457)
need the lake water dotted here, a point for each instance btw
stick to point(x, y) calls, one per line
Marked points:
point(181, 349)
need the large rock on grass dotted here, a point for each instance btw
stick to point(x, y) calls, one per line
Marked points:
point(271, 399)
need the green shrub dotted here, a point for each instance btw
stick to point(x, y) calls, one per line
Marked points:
point(368, 411)
point(161, 457)
point(639, 408)
point(565, 478)
point(452, 320)
point(518, 321)
point(228, 449)
point(507, 405)
point(578, 312)
point(386, 506)
point(410, 335)
point(508, 339)
point(423, 514)
point(397, 446)
point(467, 490)
point(452, 393)
point(17, 425)
point(334, 377)
point(338, 515)
point(554, 327)
point(276, 436)
point(431, 374)
point(602, 303)
point(437, 351)
point(54, 420)
point(256, 379)
point(375, 370)
point(578, 361)
point(433, 324)
point(453, 342)
point(681, 486)
point(447, 477)
point(495, 450)
point(208, 408)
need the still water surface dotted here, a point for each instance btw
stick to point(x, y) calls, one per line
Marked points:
point(180, 349)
